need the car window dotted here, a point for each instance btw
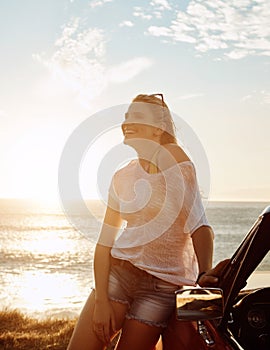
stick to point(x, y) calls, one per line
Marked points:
point(261, 276)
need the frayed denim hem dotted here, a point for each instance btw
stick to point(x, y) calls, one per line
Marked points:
point(125, 302)
point(149, 323)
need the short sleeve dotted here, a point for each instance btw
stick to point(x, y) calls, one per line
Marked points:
point(108, 232)
point(193, 206)
point(113, 199)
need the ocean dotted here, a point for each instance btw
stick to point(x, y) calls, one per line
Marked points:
point(46, 263)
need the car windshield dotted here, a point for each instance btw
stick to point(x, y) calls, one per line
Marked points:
point(231, 222)
point(261, 276)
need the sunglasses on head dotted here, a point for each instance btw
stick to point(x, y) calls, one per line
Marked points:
point(160, 96)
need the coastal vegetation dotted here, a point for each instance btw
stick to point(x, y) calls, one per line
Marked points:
point(21, 332)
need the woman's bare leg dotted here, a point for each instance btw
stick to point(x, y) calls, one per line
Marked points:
point(137, 335)
point(83, 337)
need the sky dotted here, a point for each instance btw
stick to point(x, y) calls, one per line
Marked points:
point(63, 61)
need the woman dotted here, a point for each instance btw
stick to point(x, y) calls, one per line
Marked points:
point(165, 244)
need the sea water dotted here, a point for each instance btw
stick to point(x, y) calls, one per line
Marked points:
point(46, 263)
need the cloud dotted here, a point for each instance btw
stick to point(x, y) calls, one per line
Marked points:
point(161, 4)
point(265, 96)
point(126, 24)
point(98, 3)
point(128, 70)
point(155, 10)
point(262, 97)
point(159, 31)
point(237, 54)
point(140, 12)
point(79, 62)
point(246, 98)
point(190, 96)
point(237, 28)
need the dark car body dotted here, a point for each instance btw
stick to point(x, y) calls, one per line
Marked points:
point(245, 324)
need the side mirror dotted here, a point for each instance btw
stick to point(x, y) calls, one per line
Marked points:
point(197, 304)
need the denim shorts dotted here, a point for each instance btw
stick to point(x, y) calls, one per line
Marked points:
point(150, 300)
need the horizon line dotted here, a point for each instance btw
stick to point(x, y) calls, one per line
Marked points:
point(57, 200)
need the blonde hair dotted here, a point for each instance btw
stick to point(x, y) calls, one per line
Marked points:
point(168, 135)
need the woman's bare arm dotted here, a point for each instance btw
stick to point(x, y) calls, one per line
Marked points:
point(203, 245)
point(112, 223)
point(103, 319)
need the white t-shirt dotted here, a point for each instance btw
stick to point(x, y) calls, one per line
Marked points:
point(162, 211)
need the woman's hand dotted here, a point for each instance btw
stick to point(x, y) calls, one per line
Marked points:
point(104, 320)
point(211, 277)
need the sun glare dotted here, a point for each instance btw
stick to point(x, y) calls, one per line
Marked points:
point(35, 288)
point(47, 243)
point(34, 160)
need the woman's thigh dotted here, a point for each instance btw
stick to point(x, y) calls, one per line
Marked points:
point(84, 338)
point(138, 335)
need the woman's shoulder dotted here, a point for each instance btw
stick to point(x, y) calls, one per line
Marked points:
point(126, 168)
point(171, 154)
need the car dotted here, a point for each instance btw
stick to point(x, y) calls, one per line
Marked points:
point(228, 317)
